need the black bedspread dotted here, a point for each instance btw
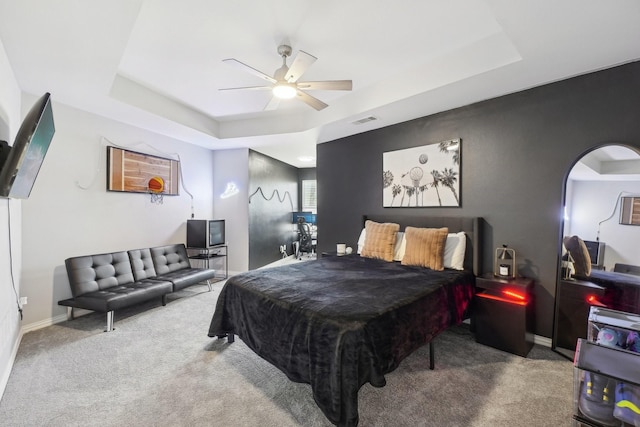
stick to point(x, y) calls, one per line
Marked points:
point(339, 322)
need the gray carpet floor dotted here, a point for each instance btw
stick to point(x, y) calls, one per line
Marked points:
point(159, 368)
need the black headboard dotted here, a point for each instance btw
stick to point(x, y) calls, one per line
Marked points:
point(472, 226)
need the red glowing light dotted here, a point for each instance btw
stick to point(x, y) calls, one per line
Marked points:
point(507, 300)
point(514, 294)
point(593, 300)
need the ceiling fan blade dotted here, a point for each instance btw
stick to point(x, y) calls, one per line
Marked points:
point(300, 64)
point(272, 104)
point(247, 88)
point(311, 101)
point(327, 85)
point(245, 67)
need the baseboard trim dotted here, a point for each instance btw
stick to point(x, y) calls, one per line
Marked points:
point(43, 323)
point(7, 373)
point(544, 341)
point(4, 380)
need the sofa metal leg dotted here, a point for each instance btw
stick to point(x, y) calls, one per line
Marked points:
point(209, 285)
point(109, 321)
point(70, 313)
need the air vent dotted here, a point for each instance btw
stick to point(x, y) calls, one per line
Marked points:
point(365, 120)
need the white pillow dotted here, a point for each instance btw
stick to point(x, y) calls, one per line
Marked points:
point(398, 251)
point(454, 250)
point(363, 234)
point(401, 246)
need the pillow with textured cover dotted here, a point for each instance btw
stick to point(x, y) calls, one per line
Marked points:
point(580, 255)
point(398, 251)
point(380, 240)
point(425, 247)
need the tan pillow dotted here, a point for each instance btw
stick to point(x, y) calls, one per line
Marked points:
point(425, 247)
point(380, 240)
point(580, 255)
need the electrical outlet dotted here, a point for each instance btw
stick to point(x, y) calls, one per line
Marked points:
point(23, 301)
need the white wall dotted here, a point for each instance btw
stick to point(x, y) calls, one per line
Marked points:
point(10, 224)
point(591, 202)
point(231, 167)
point(70, 213)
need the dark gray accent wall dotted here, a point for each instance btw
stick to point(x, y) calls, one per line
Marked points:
point(275, 185)
point(516, 153)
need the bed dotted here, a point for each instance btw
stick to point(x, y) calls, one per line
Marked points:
point(621, 290)
point(339, 322)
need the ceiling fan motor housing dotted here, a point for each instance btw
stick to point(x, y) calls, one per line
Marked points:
point(284, 50)
point(281, 73)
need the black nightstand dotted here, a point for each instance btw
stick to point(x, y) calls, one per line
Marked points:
point(572, 313)
point(503, 313)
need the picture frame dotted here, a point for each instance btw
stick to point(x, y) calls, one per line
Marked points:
point(424, 176)
point(134, 172)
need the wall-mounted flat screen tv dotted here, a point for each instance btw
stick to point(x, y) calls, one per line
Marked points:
point(21, 162)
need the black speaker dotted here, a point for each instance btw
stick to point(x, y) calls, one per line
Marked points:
point(572, 312)
point(197, 233)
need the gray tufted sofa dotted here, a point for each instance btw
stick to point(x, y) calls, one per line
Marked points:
point(111, 281)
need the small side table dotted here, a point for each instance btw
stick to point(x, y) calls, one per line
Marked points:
point(503, 313)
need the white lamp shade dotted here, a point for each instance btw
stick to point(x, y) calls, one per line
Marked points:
point(284, 90)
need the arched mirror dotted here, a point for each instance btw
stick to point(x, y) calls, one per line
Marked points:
point(602, 211)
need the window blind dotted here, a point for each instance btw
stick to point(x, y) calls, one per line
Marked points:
point(309, 196)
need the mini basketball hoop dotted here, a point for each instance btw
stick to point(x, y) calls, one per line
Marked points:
point(156, 188)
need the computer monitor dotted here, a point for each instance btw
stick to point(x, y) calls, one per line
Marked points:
point(596, 252)
point(308, 217)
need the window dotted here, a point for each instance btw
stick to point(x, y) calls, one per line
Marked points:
point(309, 196)
point(630, 211)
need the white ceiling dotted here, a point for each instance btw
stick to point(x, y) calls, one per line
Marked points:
point(609, 163)
point(158, 64)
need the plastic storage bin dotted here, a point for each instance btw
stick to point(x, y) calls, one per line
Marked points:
point(607, 371)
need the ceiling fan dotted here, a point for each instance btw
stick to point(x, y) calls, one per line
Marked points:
point(285, 85)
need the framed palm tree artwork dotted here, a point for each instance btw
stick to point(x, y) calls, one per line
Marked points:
point(426, 176)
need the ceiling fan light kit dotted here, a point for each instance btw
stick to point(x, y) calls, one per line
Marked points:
point(284, 90)
point(285, 85)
